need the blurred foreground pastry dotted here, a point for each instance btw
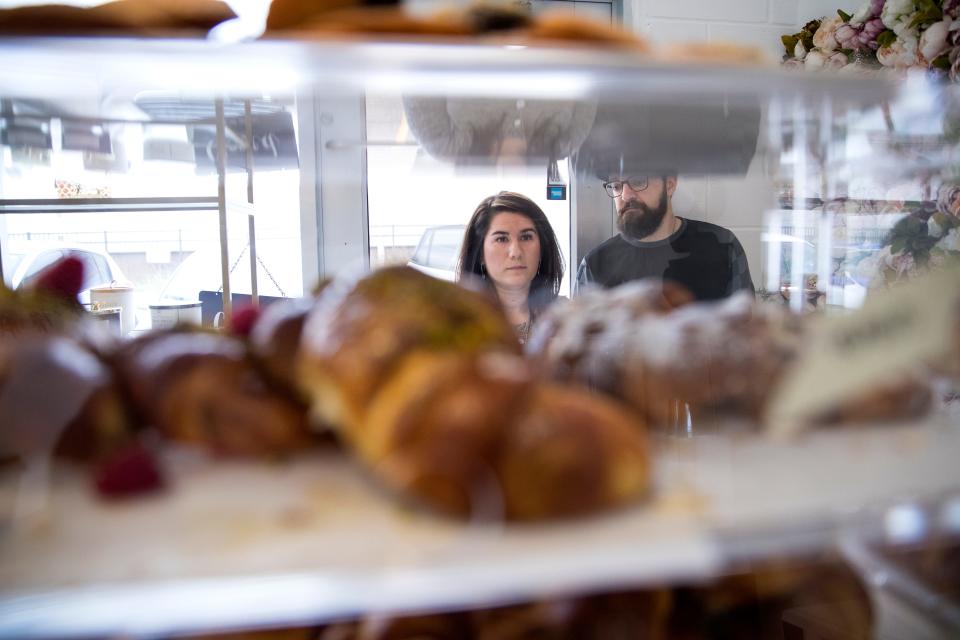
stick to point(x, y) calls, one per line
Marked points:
point(425, 381)
point(480, 438)
point(122, 17)
point(47, 304)
point(581, 340)
point(57, 397)
point(274, 342)
point(360, 331)
point(646, 344)
point(713, 53)
point(202, 388)
point(493, 21)
point(643, 344)
point(763, 601)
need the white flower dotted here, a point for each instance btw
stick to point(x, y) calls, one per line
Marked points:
point(825, 38)
point(903, 263)
point(885, 258)
point(897, 15)
point(901, 54)
point(848, 37)
point(855, 69)
point(861, 15)
point(837, 61)
point(951, 241)
point(948, 199)
point(933, 42)
point(799, 51)
point(815, 60)
point(934, 229)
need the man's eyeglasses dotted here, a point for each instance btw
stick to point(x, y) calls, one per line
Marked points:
point(615, 187)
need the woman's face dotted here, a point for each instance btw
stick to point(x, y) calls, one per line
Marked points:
point(511, 250)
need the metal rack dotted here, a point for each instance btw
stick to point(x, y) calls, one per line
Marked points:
point(166, 204)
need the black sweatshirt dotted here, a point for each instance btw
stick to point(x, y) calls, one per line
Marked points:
point(704, 257)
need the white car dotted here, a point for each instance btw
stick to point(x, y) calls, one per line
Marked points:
point(438, 251)
point(279, 273)
point(99, 268)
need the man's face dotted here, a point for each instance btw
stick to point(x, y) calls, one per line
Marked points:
point(640, 211)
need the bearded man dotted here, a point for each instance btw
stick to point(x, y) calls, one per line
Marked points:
point(655, 243)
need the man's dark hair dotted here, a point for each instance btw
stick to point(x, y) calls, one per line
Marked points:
point(545, 285)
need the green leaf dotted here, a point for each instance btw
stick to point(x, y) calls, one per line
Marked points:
point(913, 225)
point(940, 218)
point(943, 62)
point(886, 38)
point(789, 43)
point(844, 15)
point(898, 245)
point(925, 243)
point(927, 15)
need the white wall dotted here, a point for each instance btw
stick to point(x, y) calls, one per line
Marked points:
point(755, 22)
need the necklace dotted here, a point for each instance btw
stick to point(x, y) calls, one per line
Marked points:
point(523, 331)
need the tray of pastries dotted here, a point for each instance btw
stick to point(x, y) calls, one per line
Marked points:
point(385, 443)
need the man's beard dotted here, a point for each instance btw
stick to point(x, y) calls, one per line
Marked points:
point(636, 220)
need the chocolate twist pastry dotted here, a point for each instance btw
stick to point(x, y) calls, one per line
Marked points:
point(204, 389)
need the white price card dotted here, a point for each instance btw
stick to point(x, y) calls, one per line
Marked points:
point(895, 332)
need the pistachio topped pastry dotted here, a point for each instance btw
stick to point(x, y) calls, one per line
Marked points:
point(361, 331)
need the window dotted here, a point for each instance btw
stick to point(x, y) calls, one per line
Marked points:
point(418, 205)
point(118, 162)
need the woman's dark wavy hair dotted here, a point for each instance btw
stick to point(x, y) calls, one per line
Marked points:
point(545, 285)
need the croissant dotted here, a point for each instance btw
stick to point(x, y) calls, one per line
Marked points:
point(478, 436)
point(360, 331)
point(571, 453)
point(434, 431)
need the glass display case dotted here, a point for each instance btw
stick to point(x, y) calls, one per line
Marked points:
point(230, 174)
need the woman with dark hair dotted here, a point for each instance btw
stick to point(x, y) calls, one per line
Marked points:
point(510, 245)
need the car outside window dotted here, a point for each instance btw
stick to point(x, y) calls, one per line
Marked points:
point(445, 248)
